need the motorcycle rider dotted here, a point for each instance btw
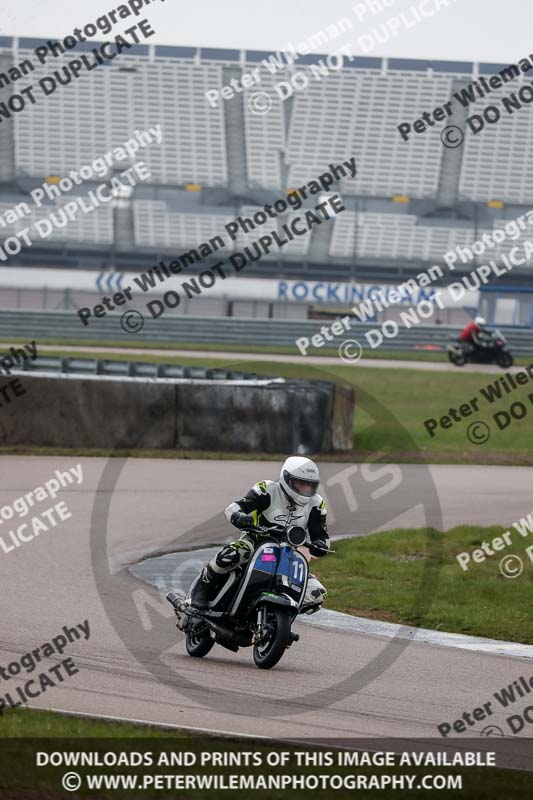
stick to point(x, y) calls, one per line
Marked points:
point(469, 335)
point(291, 499)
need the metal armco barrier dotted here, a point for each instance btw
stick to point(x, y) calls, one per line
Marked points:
point(133, 369)
point(66, 327)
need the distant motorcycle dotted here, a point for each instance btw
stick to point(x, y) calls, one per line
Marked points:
point(257, 604)
point(490, 347)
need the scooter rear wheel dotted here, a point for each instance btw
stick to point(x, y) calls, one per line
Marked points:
point(199, 644)
point(268, 652)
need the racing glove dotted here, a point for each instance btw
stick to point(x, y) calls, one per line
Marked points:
point(319, 547)
point(242, 521)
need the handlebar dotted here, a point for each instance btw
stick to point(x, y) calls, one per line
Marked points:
point(324, 549)
point(269, 531)
point(261, 530)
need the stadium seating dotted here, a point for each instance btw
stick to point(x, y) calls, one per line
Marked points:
point(157, 226)
point(101, 110)
point(95, 228)
point(352, 112)
point(505, 147)
point(356, 112)
point(394, 236)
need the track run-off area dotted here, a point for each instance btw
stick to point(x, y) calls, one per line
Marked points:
point(125, 511)
point(331, 361)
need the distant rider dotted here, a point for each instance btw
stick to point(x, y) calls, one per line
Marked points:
point(469, 335)
point(291, 500)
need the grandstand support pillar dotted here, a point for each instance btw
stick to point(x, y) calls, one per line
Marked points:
point(234, 123)
point(123, 228)
point(7, 134)
point(321, 236)
point(452, 157)
point(287, 109)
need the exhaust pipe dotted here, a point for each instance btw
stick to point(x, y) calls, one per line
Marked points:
point(174, 599)
point(226, 634)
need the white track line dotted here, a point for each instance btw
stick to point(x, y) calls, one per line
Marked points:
point(165, 725)
point(373, 627)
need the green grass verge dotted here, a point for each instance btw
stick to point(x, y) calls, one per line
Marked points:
point(22, 779)
point(47, 724)
point(411, 396)
point(412, 577)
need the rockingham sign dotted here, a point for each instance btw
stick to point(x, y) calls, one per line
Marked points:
point(348, 293)
point(241, 288)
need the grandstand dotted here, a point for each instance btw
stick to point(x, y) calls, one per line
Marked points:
point(408, 204)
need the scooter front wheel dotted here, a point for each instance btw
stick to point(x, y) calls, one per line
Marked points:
point(277, 637)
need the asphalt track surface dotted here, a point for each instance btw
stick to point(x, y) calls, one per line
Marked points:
point(332, 361)
point(159, 505)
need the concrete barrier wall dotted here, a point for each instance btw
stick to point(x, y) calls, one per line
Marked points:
point(87, 412)
point(342, 418)
point(290, 417)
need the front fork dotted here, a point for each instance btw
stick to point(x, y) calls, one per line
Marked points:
point(260, 625)
point(260, 628)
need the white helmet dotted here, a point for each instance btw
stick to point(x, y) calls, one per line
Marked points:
point(299, 478)
point(480, 321)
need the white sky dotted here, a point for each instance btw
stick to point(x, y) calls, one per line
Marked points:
point(466, 30)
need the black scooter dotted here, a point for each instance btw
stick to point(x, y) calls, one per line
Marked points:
point(257, 604)
point(490, 347)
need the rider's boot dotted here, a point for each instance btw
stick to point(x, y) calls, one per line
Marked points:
point(314, 595)
point(206, 587)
